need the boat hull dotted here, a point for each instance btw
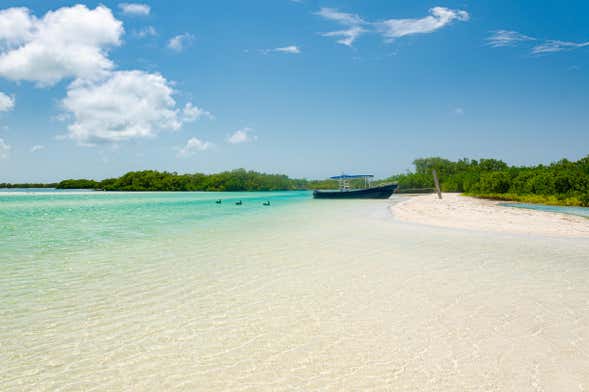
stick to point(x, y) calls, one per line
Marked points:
point(377, 192)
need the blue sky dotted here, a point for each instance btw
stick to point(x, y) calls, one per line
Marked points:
point(307, 88)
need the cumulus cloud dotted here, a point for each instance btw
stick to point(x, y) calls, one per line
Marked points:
point(6, 102)
point(352, 22)
point(101, 105)
point(16, 26)
point(192, 113)
point(552, 46)
point(180, 42)
point(70, 42)
point(501, 38)
point(192, 146)
point(438, 18)
point(127, 105)
point(135, 8)
point(37, 147)
point(4, 149)
point(243, 135)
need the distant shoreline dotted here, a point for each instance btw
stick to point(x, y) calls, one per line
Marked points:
point(65, 190)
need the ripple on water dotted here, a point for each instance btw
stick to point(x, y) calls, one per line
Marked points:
point(330, 296)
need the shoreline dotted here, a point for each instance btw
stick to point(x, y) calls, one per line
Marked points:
point(465, 212)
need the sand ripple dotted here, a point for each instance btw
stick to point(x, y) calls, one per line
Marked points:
point(327, 297)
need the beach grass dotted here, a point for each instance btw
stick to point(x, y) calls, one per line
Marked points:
point(553, 200)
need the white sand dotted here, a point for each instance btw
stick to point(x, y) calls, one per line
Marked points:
point(462, 212)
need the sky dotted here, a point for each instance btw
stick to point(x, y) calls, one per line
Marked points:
point(307, 88)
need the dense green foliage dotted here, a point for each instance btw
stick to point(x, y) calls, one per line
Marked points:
point(235, 180)
point(78, 184)
point(563, 182)
point(228, 181)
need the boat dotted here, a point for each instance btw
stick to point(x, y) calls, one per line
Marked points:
point(345, 192)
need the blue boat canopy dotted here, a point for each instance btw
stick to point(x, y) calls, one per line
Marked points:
point(351, 176)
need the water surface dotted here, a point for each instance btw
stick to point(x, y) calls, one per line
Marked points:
point(170, 291)
point(580, 211)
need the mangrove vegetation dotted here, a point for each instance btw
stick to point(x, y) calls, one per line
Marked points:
point(561, 183)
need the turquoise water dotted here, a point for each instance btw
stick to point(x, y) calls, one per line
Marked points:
point(170, 291)
point(33, 223)
point(580, 211)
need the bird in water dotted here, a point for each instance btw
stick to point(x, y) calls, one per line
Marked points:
point(218, 201)
point(266, 203)
point(238, 203)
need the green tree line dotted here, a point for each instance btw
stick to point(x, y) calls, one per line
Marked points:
point(228, 181)
point(561, 183)
point(564, 182)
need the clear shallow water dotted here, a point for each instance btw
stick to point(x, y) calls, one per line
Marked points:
point(580, 211)
point(173, 292)
point(33, 223)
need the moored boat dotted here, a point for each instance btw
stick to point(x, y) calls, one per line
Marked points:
point(345, 192)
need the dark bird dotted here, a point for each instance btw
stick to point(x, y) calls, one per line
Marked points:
point(218, 201)
point(238, 203)
point(266, 203)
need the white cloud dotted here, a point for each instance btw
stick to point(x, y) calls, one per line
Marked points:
point(101, 105)
point(390, 28)
point(37, 147)
point(135, 8)
point(192, 113)
point(353, 23)
point(194, 145)
point(148, 31)
point(500, 38)
point(180, 42)
point(243, 135)
point(68, 42)
point(440, 17)
point(16, 26)
point(4, 149)
point(552, 46)
point(348, 36)
point(459, 111)
point(340, 17)
point(292, 49)
point(6, 102)
point(127, 105)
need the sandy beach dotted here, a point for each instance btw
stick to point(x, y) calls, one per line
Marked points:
point(463, 212)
